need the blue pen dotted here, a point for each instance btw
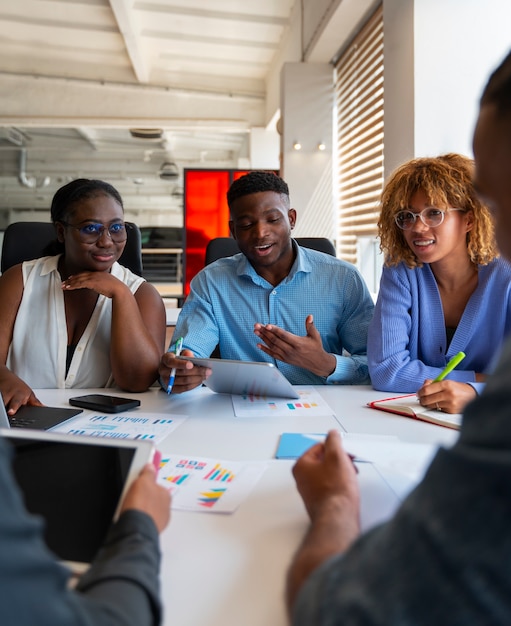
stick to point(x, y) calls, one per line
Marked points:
point(179, 347)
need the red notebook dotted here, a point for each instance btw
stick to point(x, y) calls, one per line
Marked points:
point(410, 407)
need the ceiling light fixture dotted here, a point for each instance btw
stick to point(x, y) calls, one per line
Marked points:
point(168, 171)
point(146, 133)
point(297, 145)
point(321, 146)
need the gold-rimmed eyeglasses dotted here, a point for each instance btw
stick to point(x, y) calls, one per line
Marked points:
point(430, 216)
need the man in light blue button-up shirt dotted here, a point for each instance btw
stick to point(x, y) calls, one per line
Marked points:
point(305, 311)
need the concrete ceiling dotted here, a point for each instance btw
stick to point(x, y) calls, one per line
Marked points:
point(79, 74)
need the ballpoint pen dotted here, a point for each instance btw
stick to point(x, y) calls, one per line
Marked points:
point(179, 347)
point(456, 359)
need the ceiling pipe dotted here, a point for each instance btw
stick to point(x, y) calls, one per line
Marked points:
point(26, 181)
point(29, 181)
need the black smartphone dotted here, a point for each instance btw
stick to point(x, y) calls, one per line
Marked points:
point(104, 403)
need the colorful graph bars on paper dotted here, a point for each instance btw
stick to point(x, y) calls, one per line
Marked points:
point(309, 403)
point(149, 427)
point(219, 473)
point(177, 480)
point(208, 499)
point(212, 485)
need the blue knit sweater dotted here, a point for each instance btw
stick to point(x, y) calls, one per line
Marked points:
point(407, 341)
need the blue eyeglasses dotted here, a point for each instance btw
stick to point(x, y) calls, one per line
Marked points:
point(90, 233)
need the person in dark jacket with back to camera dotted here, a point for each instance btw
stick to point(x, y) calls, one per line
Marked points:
point(121, 588)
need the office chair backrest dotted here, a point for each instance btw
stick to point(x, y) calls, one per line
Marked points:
point(24, 241)
point(220, 247)
point(227, 246)
point(321, 244)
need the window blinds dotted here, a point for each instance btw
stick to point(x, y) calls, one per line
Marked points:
point(359, 106)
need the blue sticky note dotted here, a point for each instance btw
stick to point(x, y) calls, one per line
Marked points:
point(293, 445)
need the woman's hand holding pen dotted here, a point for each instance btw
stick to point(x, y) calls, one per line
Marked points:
point(446, 395)
point(449, 396)
point(187, 376)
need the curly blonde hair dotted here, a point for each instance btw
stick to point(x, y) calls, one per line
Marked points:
point(446, 180)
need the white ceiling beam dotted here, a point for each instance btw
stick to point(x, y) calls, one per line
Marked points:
point(29, 101)
point(201, 13)
point(211, 39)
point(339, 24)
point(122, 10)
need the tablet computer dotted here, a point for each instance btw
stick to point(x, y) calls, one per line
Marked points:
point(245, 378)
point(76, 484)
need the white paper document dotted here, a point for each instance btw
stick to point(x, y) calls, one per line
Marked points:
point(378, 501)
point(208, 485)
point(411, 459)
point(310, 404)
point(400, 463)
point(149, 426)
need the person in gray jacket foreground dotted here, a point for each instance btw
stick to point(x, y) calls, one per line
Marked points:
point(120, 588)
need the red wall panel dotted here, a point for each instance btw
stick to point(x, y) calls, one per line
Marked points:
point(206, 215)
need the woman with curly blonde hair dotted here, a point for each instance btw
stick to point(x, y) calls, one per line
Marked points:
point(444, 288)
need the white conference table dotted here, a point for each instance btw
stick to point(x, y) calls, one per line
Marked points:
point(229, 570)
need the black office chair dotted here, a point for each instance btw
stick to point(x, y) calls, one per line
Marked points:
point(321, 244)
point(24, 241)
point(227, 246)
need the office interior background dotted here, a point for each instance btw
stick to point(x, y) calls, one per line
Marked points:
point(137, 93)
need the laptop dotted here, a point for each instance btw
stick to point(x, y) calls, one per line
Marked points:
point(245, 378)
point(76, 483)
point(35, 417)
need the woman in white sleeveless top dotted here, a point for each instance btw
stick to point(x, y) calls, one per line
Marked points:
point(77, 318)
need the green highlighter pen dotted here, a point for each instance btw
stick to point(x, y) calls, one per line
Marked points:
point(450, 366)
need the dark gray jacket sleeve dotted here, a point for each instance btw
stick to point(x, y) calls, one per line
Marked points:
point(445, 558)
point(124, 576)
point(121, 588)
